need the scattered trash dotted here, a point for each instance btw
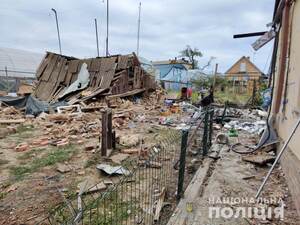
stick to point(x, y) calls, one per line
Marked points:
point(252, 127)
point(130, 140)
point(232, 132)
point(88, 186)
point(222, 138)
point(260, 160)
point(118, 170)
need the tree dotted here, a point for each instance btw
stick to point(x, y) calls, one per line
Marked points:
point(191, 54)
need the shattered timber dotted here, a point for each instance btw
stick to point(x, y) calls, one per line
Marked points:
point(114, 75)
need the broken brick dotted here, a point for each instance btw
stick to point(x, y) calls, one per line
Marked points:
point(22, 147)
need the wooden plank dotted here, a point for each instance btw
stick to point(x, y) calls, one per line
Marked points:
point(44, 63)
point(104, 146)
point(73, 66)
point(17, 121)
point(137, 77)
point(122, 62)
point(51, 66)
point(75, 74)
point(107, 71)
point(61, 71)
point(129, 93)
point(259, 159)
point(180, 214)
point(51, 84)
point(95, 65)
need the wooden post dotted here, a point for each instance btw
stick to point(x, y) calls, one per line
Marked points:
point(215, 76)
point(109, 129)
point(108, 138)
point(104, 133)
point(114, 139)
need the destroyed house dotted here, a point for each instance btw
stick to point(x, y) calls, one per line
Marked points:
point(74, 80)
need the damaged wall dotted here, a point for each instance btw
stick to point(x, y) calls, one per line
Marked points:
point(286, 104)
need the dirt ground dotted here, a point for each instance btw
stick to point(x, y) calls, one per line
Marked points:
point(230, 177)
point(30, 182)
point(62, 151)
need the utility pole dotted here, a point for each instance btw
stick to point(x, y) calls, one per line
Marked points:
point(59, 43)
point(138, 32)
point(97, 39)
point(107, 25)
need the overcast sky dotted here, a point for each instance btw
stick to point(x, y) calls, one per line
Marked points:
point(167, 26)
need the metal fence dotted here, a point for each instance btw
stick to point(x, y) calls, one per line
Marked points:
point(10, 80)
point(137, 197)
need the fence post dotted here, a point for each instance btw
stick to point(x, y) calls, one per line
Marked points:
point(211, 120)
point(205, 133)
point(184, 139)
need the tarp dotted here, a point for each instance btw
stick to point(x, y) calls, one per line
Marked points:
point(32, 105)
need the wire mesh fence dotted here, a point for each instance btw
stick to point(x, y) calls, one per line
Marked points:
point(137, 194)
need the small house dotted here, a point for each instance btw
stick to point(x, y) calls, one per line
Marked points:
point(173, 74)
point(244, 74)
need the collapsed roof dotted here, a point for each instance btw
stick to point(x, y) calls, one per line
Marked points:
point(67, 78)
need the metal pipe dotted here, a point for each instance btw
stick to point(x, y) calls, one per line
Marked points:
point(249, 34)
point(97, 39)
point(57, 27)
point(107, 25)
point(184, 139)
point(277, 159)
point(138, 33)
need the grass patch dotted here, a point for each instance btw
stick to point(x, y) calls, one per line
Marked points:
point(230, 96)
point(110, 209)
point(30, 154)
point(22, 128)
point(94, 160)
point(2, 195)
point(23, 132)
point(54, 156)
